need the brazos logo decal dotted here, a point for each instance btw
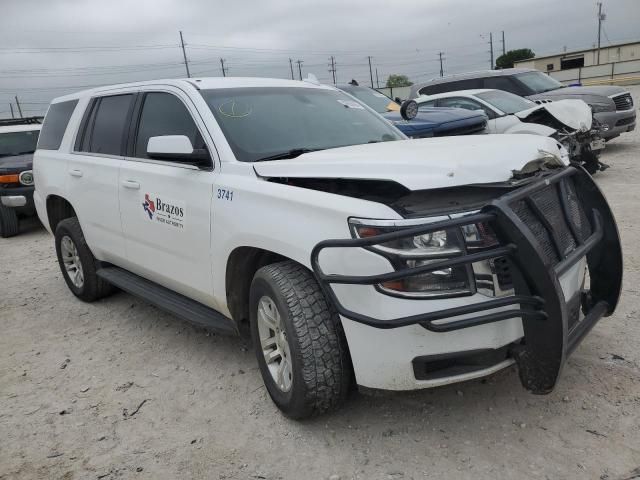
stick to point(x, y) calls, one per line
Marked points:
point(164, 211)
point(149, 206)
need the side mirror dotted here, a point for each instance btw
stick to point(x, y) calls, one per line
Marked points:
point(177, 148)
point(409, 109)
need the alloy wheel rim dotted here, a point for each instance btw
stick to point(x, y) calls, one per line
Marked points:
point(71, 261)
point(274, 343)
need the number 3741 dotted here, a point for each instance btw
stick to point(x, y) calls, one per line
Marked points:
point(225, 194)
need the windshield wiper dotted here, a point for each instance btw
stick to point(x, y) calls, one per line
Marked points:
point(293, 153)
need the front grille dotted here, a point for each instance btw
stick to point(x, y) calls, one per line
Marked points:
point(623, 101)
point(625, 121)
point(542, 213)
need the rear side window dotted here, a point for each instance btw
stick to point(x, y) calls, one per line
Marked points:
point(452, 86)
point(501, 83)
point(55, 125)
point(107, 124)
point(164, 114)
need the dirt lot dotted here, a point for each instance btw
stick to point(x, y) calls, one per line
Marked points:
point(119, 389)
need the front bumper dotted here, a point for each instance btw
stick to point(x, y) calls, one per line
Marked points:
point(551, 325)
point(619, 122)
point(20, 198)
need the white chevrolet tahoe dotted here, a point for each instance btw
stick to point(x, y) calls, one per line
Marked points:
point(350, 253)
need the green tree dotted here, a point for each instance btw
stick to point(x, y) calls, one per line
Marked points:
point(506, 60)
point(398, 81)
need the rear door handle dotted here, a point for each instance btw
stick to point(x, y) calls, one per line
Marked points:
point(75, 173)
point(131, 184)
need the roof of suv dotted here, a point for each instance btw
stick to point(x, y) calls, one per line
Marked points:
point(204, 83)
point(469, 75)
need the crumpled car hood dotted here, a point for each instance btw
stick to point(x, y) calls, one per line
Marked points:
point(425, 163)
point(574, 114)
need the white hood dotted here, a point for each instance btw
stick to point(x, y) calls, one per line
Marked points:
point(574, 114)
point(425, 163)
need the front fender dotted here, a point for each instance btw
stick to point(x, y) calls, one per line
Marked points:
point(531, 128)
point(282, 219)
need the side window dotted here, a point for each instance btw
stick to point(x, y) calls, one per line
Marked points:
point(501, 83)
point(107, 124)
point(466, 103)
point(430, 103)
point(55, 124)
point(164, 114)
point(469, 84)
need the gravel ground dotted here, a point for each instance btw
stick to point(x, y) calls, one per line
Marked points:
point(119, 389)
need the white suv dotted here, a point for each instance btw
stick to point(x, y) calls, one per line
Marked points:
point(288, 210)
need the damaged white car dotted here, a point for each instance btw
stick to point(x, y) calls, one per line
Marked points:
point(289, 212)
point(571, 122)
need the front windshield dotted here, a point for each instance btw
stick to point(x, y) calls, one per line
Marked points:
point(539, 82)
point(262, 122)
point(505, 101)
point(15, 143)
point(374, 100)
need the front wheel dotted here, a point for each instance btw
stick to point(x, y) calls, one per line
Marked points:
point(298, 341)
point(9, 225)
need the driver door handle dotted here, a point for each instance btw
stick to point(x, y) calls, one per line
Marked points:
point(133, 185)
point(75, 173)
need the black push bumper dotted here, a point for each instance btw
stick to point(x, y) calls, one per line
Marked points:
point(543, 229)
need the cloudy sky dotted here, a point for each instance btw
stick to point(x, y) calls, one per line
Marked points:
point(53, 47)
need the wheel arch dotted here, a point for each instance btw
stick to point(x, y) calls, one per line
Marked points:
point(58, 209)
point(242, 264)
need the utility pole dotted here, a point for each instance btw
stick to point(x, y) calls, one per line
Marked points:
point(377, 81)
point(224, 69)
point(18, 105)
point(184, 54)
point(491, 48)
point(370, 71)
point(291, 68)
point(441, 69)
point(332, 68)
point(299, 62)
point(11, 107)
point(601, 17)
point(504, 47)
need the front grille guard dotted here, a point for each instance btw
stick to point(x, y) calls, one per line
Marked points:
point(538, 295)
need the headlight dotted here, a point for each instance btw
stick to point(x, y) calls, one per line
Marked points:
point(26, 177)
point(410, 252)
point(602, 107)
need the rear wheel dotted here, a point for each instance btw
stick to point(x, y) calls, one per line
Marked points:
point(298, 341)
point(9, 224)
point(77, 263)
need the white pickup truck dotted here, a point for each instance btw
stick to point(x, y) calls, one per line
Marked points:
point(350, 253)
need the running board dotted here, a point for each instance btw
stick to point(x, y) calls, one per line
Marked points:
point(168, 300)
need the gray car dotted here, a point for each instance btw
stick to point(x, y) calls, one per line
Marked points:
point(612, 106)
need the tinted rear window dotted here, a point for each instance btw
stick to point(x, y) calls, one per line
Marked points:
point(55, 124)
point(451, 86)
point(109, 124)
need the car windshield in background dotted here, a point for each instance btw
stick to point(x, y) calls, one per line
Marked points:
point(375, 100)
point(539, 82)
point(16, 143)
point(505, 101)
point(260, 123)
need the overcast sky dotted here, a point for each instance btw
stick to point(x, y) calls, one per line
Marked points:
point(53, 47)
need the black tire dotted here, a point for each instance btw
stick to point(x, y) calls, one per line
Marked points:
point(9, 224)
point(320, 362)
point(93, 287)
